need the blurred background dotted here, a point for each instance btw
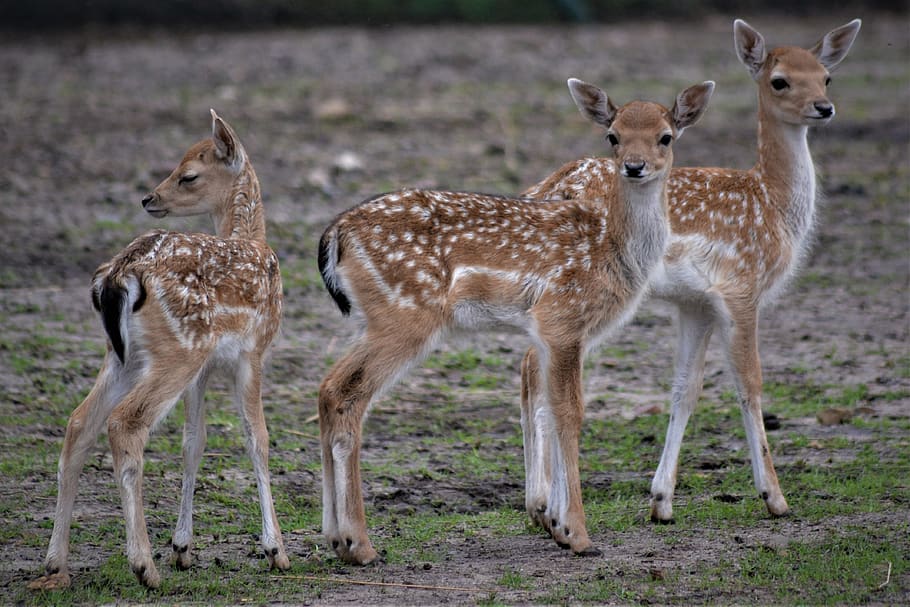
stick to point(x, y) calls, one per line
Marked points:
point(338, 100)
point(43, 14)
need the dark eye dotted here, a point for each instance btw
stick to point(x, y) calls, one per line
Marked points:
point(827, 80)
point(666, 140)
point(187, 179)
point(612, 139)
point(779, 84)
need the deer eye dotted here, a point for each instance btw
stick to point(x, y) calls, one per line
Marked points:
point(187, 179)
point(827, 80)
point(779, 84)
point(614, 141)
point(666, 139)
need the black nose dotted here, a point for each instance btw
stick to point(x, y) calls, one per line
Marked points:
point(824, 109)
point(147, 200)
point(634, 169)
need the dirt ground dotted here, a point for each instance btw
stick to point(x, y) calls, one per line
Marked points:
point(91, 121)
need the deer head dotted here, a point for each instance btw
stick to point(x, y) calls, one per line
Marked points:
point(792, 81)
point(641, 133)
point(205, 177)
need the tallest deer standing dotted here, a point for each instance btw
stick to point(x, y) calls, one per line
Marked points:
point(737, 237)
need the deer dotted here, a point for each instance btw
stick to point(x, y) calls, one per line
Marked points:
point(419, 264)
point(737, 237)
point(177, 308)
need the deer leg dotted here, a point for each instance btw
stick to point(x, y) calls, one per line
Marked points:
point(82, 430)
point(128, 429)
point(344, 396)
point(565, 511)
point(536, 425)
point(743, 353)
point(694, 334)
point(342, 405)
point(194, 434)
point(248, 396)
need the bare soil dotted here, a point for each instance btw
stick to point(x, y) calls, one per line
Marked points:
point(91, 121)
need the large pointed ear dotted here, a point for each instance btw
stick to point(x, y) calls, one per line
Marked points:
point(592, 102)
point(832, 49)
point(227, 145)
point(691, 104)
point(750, 47)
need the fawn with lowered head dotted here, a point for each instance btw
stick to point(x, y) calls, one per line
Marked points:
point(419, 264)
point(737, 237)
point(176, 308)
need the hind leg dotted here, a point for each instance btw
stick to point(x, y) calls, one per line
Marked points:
point(694, 334)
point(371, 365)
point(128, 428)
point(82, 430)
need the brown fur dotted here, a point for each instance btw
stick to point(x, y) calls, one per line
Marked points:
point(737, 236)
point(421, 263)
point(198, 303)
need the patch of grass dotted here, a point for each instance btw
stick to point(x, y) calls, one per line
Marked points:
point(514, 580)
point(805, 400)
point(843, 568)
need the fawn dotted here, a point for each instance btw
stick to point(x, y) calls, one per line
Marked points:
point(176, 308)
point(419, 264)
point(737, 237)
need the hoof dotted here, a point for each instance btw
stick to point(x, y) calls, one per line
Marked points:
point(278, 560)
point(51, 581)
point(777, 506)
point(182, 559)
point(359, 553)
point(147, 575)
point(785, 514)
point(660, 521)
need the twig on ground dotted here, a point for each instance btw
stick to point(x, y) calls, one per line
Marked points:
point(298, 433)
point(887, 577)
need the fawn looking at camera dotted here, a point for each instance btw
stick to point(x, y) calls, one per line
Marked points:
point(737, 237)
point(418, 264)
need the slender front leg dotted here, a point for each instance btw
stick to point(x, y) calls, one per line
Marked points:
point(194, 434)
point(82, 430)
point(536, 425)
point(248, 396)
point(695, 326)
point(742, 346)
point(565, 511)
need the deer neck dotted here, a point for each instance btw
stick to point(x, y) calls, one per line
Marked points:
point(241, 215)
point(787, 172)
point(645, 221)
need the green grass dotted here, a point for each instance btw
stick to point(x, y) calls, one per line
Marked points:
point(843, 567)
point(714, 493)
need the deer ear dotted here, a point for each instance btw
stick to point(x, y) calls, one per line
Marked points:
point(691, 104)
point(592, 102)
point(227, 146)
point(833, 47)
point(750, 47)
